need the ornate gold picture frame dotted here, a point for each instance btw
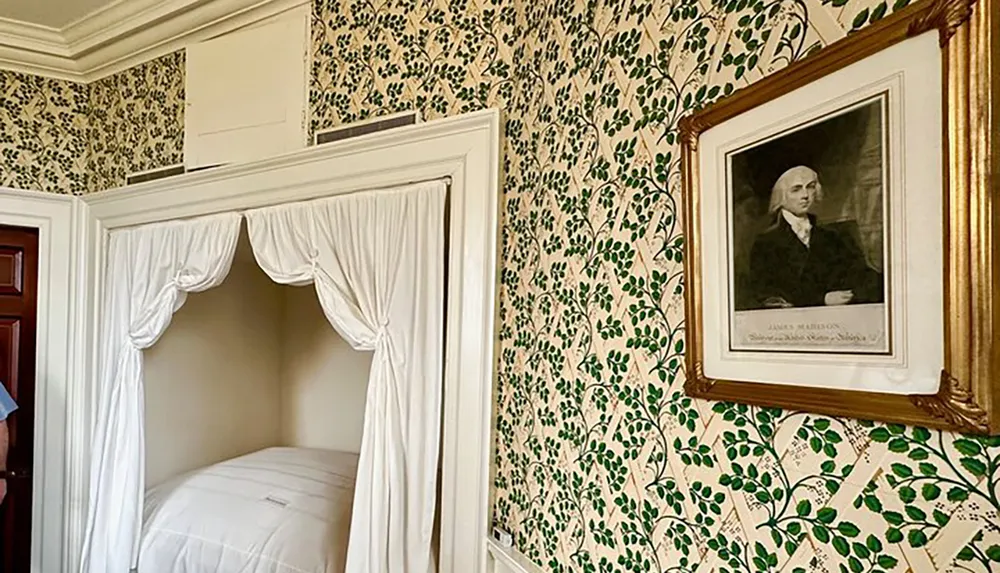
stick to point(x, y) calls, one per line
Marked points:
point(967, 394)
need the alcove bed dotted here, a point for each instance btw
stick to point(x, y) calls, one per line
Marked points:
point(375, 260)
point(254, 411)
point(366, 223)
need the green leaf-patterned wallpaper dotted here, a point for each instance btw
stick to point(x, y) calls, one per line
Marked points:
point(602, 463)
point(43, 133)
point(67, 137)
point(136, 121)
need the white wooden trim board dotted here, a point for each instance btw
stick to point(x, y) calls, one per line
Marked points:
point(57, 377)
point(508, 560)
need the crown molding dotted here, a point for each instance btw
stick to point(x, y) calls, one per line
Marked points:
point(124, 34)
point(38, 63)
point(32, 37)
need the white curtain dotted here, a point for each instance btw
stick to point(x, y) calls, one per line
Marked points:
point(150, 270)
point(377, 260)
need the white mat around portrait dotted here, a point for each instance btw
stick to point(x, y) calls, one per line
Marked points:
point(278, 510)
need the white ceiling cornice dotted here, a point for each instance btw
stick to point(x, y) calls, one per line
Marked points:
point(123, 34)
point(25, 36)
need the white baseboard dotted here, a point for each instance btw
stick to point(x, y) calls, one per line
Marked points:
point(508, 560)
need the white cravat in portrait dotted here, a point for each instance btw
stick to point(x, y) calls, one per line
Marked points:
point(801, 226)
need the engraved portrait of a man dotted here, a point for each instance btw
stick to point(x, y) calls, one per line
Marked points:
point(807, 252)
point(796, 262)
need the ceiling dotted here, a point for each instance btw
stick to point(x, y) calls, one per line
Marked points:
point(49, 13)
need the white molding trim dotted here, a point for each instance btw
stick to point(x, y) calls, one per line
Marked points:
point(33, 37)
point(124, 34)
point(463, 148)
point(508, 559)
point(56, 377)
point(87, 257)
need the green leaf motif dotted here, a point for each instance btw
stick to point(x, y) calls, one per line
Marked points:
point(901, 470)
point(893, 535)
point(887, 561)
point(860, 19)
point(968, 447)
point(917, 538)
point(841, 545)
point(966, 554)
point(848, 529)
point(899, 445)
point(907, 494)
point(873, 503)
point(915, 513)
point(880, 435)
point(803, 508)
point(826, 515)
point(958, 494)
point(893, 518)
point(878, 13)
point(873, 544)
point(975, 467)
point(930, 492)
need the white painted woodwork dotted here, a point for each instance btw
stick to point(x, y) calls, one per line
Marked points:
point(246, 92)
point(465, 150)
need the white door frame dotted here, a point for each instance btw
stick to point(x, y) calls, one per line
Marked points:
point(61, 364)
point(463, 148)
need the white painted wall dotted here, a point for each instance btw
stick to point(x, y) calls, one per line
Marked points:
point(324, 380)
point(212, 381)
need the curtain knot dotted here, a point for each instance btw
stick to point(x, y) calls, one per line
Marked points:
point(382, 339)
point(383, 330)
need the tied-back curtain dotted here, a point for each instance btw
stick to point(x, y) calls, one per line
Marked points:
point(377, 261)
point(150, 270)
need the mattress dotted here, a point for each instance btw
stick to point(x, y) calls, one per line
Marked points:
point(278, 510)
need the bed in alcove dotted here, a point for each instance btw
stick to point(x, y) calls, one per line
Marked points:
point(254, 414)
point(271, 389)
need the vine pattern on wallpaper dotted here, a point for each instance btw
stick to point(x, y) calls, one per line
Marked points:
point(602, 463)
point(67, 137)
point(136, 121)
point(43, 133)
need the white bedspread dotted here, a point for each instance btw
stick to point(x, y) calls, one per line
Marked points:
point(279, 510)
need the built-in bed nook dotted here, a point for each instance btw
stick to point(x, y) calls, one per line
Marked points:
point(294, 371)
point(245, 366)
point(254, 411)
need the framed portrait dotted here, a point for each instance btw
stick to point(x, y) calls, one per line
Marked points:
point(840, 228)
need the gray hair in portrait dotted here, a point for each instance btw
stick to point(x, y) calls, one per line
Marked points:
point(807, 215)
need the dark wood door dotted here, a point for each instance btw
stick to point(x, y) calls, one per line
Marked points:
point(18, 309)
